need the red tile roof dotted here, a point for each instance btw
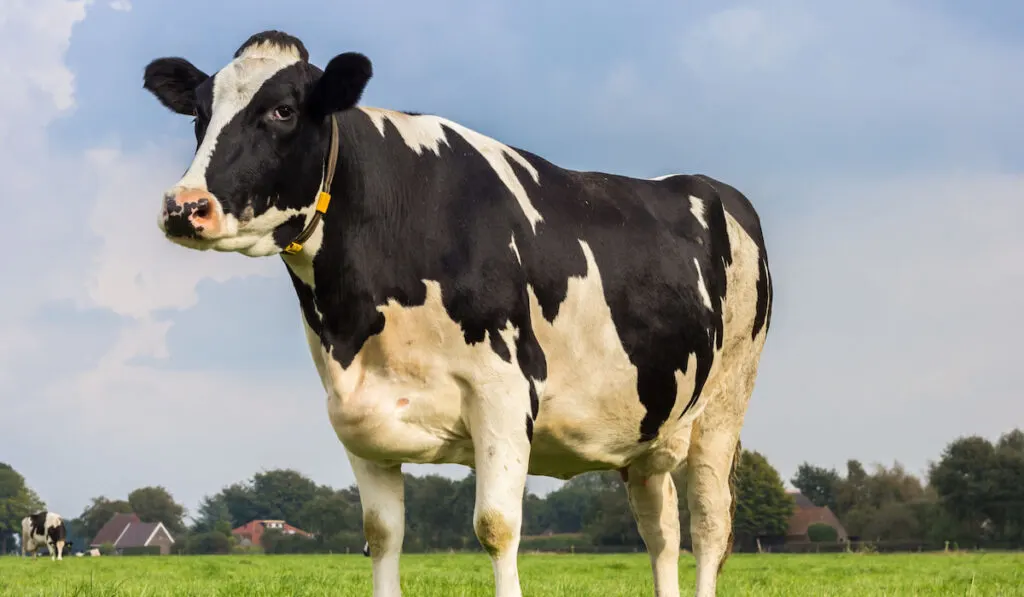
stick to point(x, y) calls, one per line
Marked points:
point(254, 529)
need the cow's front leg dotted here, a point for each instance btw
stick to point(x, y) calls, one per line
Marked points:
point(382, 496)
point(502, 454)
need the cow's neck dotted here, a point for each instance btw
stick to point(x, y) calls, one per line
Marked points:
point(353, 257)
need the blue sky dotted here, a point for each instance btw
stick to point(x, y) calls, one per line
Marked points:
point(879, 140)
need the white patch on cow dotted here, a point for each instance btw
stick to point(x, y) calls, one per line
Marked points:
point(697, 209)
point(664, 177)
point(701, 286)
point(255, 238)
point(515, 249)
point(426, 132)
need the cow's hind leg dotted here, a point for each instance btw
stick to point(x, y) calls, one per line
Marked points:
point(502, 454)
point(710, 476)
point(382, 496)
point(60, 549)
point(655, 507)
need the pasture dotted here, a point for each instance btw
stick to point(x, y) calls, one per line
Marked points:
point(975, 575)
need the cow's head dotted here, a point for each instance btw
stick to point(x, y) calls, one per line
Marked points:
point(262, 131)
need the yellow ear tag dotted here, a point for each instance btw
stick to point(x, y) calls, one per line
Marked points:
point(323, 201)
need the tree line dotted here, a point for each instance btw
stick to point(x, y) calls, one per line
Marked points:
point(972, 495)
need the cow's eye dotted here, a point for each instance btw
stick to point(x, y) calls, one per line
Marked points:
point(282, 113)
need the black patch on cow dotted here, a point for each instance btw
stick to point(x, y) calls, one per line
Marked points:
point(277, 38)
point(500, 348)
point(290, 229)
point(56, 533)
point(529, 429)
point(307, 302)
point(38, 523)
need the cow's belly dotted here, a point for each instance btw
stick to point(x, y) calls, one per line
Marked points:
point(389, 419)
point(406, 395)
point(386, 418)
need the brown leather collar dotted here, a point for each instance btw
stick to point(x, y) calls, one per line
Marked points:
point(324, 197)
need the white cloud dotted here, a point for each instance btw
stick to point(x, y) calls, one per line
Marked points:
point(121, 5)
point(36, 34)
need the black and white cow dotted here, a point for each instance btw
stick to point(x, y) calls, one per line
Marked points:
point(469, 302)
point(44, 529)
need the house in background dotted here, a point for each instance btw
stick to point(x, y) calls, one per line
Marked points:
point(806, 514)
point(128, 531)
point(251, 532)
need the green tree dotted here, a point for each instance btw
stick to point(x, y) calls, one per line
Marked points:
point(1012, 442)
point(763, 507)
point(17, 500)
point(439, 512)
point(212, 511)
point(241, 503)
point(156, 504)
point(611, 519)
point(282, 493)
point(818, 484)
point(329, 513)
point(964, 481)
point(573, 506)
point(1006, 505)
point(852, 491)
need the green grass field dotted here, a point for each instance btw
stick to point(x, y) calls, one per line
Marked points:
point(470, 575)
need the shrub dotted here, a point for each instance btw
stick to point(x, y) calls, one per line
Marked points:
point(208, 543)
point(822, 533)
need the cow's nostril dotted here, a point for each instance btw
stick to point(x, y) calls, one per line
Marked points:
point(203, 208)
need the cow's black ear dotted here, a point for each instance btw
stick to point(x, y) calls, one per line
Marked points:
point(341, 85)
point(173, 81)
